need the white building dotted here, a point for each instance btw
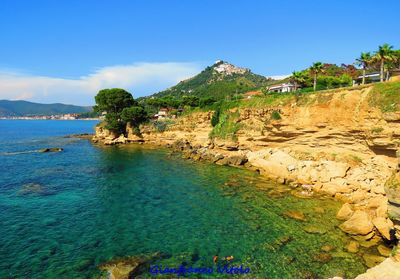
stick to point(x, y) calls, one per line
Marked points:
point(282, 88)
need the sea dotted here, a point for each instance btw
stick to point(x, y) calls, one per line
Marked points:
point(64, 214)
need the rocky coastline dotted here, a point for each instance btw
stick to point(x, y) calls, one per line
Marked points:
point(319, 154)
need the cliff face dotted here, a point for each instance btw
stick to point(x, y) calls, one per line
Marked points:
point(327, 124)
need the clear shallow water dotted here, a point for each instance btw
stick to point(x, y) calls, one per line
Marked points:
point(87, 205)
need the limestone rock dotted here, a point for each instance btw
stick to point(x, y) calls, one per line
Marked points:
point(345, 212)
point(235, 160)
point(384, 251)
point(331, 169)
point(121, 140)
point(282, 158)
point(383, 226)
point(388, 269)
point(332, 188)
point(269, 168)
point(359, 223)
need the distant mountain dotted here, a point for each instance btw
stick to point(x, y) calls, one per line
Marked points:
point(218, 81)
point(25, 108)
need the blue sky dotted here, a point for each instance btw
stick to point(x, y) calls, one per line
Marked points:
point(64, 51)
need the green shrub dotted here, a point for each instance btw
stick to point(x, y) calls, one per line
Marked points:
point(386, 96)
point(227, 126)
point(377, 130)
point(162, 126)
point(215, 117)
point(275, 115)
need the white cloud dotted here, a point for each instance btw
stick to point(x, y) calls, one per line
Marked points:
point(279, 77)
point(140, 79)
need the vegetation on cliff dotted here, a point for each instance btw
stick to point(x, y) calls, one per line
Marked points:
point(120, 108)
point(386, 96)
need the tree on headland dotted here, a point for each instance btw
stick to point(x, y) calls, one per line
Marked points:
point(120, 108)
point(113, 100)
point(135, 115)
point(384, 55)
point(364, 61)
point(315, 70)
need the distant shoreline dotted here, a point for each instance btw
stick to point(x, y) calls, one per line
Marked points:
point(28, 118)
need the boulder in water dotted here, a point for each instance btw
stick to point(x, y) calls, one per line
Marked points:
point(51, 149)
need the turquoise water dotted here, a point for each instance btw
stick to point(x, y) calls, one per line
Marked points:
point(63, 214)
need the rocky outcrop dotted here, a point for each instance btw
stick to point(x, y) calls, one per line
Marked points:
point(103, 135)
point(107, 137)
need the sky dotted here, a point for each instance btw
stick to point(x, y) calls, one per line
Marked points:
point(67, 50)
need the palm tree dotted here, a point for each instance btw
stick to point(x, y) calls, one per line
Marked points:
point(315, 70)
point(383, 55)
point(297, 78)
point(364, 61)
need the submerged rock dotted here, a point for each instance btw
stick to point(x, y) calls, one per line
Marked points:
point(319, 210)
point(128, 267)
point(296, 215)
point(327, 248)
point(372, 260)
point(314, 230)
point(323, 257)
point(31, 188)
point(278, 243)
point(353, 247)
